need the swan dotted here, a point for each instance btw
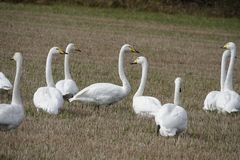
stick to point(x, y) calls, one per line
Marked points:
point(49, 98)
point(144, 105)
point(107, 93)
point(171, 118)
point(210, 100)
point(228, 100)
point(68, 86)
point(12, 115)
point(5, 84)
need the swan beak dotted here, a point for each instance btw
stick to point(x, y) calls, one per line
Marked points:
point(78, 50)
point(11, 59)
point(225, 46)
point(158, 128)
point(133, 50)
point(62, 52)
point(134, 62)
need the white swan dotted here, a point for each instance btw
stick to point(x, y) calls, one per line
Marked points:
point(11, 115)
point(228, 100)
point(107, 93)
point(49, 98)
point(5, 84)
point(144, 105)
point(210, 100)
point(68, 86)
point(171, 118)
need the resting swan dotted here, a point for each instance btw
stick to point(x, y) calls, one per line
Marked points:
point(171, 118)
point(107, 93)
point(5, 84)
point(49, 98)
point(12, 115)
point(229, 100)
point(68, 86)
point(144, 105)
point(210, 101)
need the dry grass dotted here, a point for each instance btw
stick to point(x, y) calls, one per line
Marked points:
point(79, 132)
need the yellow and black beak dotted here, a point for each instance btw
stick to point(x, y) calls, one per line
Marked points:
point(78, 50)
point(133, 50)
point(12, 59)
point(225, 46)
point(134, 62)
point(62, 52)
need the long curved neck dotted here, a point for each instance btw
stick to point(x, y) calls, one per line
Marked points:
point(66, 67)
point(143, 80)
point(229, 78)
point(49, 78)
point(223, 68)
point(121, 73)
point(16, 97)
point(177, 94)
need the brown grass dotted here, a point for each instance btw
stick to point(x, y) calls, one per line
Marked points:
point(80, 132)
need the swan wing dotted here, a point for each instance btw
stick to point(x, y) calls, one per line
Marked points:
point(210, 101)
point(67, 87)
point(4, 82)
point(100, 93)
point(11, 115)
point(146, 105)
point(49, 99)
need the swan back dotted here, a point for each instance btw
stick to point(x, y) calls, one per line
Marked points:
point(4, 82)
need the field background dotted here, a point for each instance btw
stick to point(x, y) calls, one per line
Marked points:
point(175, 45)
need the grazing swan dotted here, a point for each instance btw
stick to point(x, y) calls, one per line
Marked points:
point(49, 98)
point(11, 115)
point(68, 86)
point(107, 93)
point(228, 100)
point(210, 101)
point(5, 84)
point(171, 118)
point(144, 105)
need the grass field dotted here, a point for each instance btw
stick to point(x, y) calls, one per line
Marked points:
point(178, 45)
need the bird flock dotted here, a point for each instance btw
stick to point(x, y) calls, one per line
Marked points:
point(171, 118)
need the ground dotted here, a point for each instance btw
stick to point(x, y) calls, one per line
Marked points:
point(175, 45)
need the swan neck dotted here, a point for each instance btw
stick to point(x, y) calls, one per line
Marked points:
point(66, 67)
point(49, 78)
point(121, 73)
point(16, 97)
point(229, 78)
point(177, 94)
point(223, 69)
point(143, 80)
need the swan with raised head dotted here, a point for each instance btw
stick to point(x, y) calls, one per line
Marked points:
point(228, 100)
point(144, 105)
point(5, 84)
point(210, 100)
point(49, 98)
point(107, 93)
point(12, 115)
point(172, 118)
point(68, 86)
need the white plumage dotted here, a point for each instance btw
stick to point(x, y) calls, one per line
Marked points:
point(144, 105)
point(68, 86)
point(107, 93)
point(49, 98)
point(172, 118)
point(229, 100)
point(211, 98)
point(11, 115)
point(5, 84)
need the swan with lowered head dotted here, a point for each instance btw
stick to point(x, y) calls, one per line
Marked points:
point(228, 100)
point(144, 105)
point(107, 93)
point(5, 84)
point(49, 98)
point(68, 86)
point(12, 115)
point(210, 100)
point(172, 118)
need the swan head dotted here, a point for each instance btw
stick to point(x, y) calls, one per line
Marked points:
point(229, 46)
point(128, 49)
point(17, 56)
point(139, 60)
point(71, 48)
point(57, 50)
